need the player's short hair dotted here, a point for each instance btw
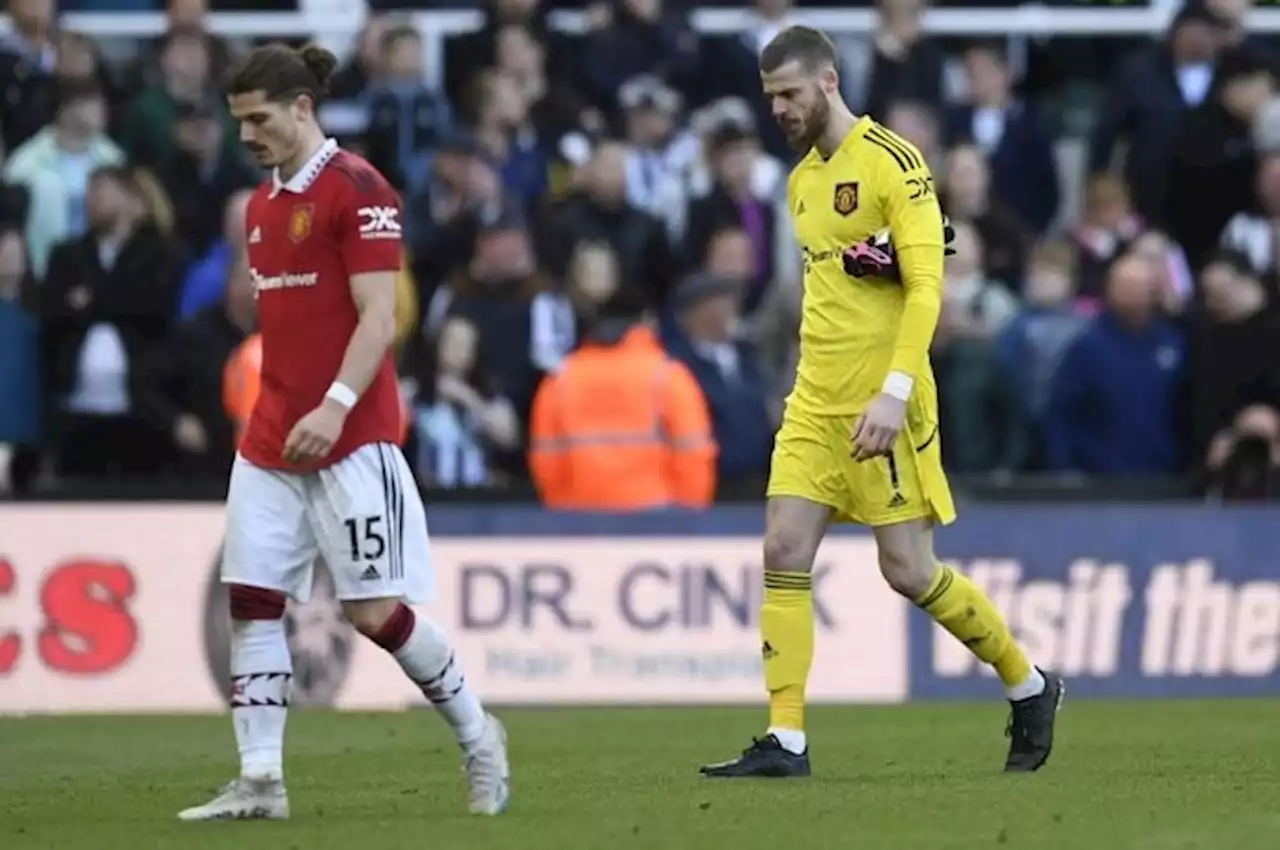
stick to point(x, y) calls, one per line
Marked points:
point(282, 73)
point(805, 45)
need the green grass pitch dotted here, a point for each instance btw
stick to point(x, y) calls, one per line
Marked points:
point(1177, 775)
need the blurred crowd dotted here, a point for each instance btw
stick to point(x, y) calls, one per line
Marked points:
point(597, 243)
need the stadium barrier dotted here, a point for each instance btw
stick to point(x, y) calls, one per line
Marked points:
point(117, 608)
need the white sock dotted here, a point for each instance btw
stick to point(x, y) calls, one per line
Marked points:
point(792, 740)
point(1032, 686)
point(261, 675)
point(427, 658)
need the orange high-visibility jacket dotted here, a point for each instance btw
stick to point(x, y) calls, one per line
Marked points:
point(242, 381)
point(622, 428)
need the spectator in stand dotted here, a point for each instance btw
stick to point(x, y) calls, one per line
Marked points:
point(592, 279)
point(628, 38)
point(1254, 232)
point(406, 119)
point(205, 280)
point(728, 372)
point(178, 388)
point(661, 153)
point(463, 425)
point(770, 320)
point(556, 109)
point(20, 434)
point(1104, 232)
point(1113, 409)
point(979, 414)
point(511, 303)
point(730, 68)
point(501, 124)
point(203, 174)
point(599, 211)
point(1148, 100)
point(917, 122)
point(602, 439)
point(1233, 356)
point(1175, 284)
point(148, 128)
point(363, 70)
point(80, 64)
point(1244, 460)
point(468, 54)
point(465, 194)
point(734, 203)
point(1013, 135)
point(965, 192)
point(187, 17)
point(28, 61)
point(106, 301)
point(907, 65)
point(1031, 346)
point(1213, 163)
point(733, 116)
point(53, 167)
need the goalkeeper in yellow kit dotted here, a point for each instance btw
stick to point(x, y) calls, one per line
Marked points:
point(859, 441)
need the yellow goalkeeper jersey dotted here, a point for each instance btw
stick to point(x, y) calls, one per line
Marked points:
point(853, 332)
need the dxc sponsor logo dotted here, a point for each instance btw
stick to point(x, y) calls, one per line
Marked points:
point(379, 222)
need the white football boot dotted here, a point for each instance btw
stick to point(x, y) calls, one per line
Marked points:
point(488, 771)
point(243, 799)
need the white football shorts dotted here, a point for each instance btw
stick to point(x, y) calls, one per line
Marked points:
point(362, 519)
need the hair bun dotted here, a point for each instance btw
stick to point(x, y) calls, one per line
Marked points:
point(320, 62)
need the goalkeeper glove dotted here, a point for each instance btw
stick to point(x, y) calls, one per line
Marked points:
point(875, 255)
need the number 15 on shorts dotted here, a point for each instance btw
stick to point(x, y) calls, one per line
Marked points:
point(367, 542)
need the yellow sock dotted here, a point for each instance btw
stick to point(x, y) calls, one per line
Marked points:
point(965, 611)
point(786, 628)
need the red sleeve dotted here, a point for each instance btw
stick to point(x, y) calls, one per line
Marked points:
point(368, 226)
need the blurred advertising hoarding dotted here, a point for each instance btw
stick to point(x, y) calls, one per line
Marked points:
point(117, 608)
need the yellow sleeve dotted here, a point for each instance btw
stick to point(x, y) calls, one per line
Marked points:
point(406, 302)
point(915, 220)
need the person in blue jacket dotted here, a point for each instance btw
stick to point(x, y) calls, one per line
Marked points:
point(1114, 400)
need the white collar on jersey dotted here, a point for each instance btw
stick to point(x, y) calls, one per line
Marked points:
point(307, 174)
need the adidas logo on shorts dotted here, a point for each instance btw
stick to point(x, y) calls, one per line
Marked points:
point(370, 574)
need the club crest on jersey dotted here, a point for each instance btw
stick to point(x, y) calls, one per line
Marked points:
point(300, 222)
point(846, 198)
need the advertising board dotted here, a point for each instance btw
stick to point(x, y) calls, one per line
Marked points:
point(118, 608)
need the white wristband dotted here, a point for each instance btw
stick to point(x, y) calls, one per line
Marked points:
point(342, 394)
point(898, 385)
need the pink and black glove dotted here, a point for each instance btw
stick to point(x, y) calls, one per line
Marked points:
point(875, 256)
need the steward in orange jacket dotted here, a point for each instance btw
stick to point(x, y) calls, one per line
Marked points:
point(621, 426)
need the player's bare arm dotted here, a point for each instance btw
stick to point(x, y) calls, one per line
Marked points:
point(374, 294)
point(915, 220)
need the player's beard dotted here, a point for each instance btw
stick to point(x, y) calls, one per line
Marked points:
point(811, 127)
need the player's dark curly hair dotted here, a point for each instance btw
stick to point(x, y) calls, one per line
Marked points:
point(282, 73)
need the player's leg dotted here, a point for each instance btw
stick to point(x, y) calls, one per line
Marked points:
point(901, 497)
point(373, 532)
point(802, 496)
point(267, 556)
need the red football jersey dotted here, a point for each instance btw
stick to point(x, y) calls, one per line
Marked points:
point(336, 218)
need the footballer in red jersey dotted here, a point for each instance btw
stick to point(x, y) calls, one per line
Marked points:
point(319, 478)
